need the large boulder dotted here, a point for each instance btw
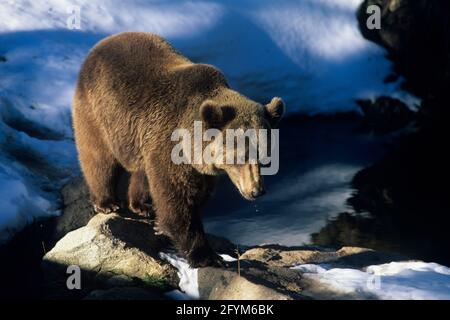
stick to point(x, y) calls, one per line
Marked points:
point(254, 282)
point(110, 250)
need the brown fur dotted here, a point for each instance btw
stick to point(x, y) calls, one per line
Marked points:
point(133, 91)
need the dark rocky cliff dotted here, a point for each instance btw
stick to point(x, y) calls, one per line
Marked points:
point(406, 193)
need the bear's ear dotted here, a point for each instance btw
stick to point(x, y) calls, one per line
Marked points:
point(216, 116)
point(274, 111)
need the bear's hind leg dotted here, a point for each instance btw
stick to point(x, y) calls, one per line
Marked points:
point(100, 173)
point(139, 194)
point(99, 166)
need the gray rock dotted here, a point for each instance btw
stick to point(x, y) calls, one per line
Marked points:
point(220, 284)
point(76, 189)
point(111, 249)
point(349, 257)
point(77, 210)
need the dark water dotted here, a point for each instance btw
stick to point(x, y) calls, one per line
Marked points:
point(318, 158)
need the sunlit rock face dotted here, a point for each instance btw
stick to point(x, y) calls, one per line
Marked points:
point(111, 251)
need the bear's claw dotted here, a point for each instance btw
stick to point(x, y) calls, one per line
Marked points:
point(142, 209)
point(157, 229)
point(105, 209)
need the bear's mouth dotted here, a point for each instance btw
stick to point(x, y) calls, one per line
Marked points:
point(246, 196)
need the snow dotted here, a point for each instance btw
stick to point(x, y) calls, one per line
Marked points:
point(37, 153)
point(309, 52)
point(410, 280)
point(228, 258)
point(188, 277)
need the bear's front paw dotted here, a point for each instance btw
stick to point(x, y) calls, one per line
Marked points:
point(105, 207)
point(205, 258)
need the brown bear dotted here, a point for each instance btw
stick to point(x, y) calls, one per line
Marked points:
point(133, 91)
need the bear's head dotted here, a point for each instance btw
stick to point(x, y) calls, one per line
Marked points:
point(235, 130)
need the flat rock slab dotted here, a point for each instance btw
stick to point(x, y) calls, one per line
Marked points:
point(251, 281)
point(351, 257)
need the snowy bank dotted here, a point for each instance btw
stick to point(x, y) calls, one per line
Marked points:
point(411, 280)
point(309, 52)
point(188, 276)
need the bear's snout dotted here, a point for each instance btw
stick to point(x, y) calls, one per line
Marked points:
point(258, 192)
point(248, 180)
point(255, 191)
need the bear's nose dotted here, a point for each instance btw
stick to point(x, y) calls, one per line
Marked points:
point(258, 193)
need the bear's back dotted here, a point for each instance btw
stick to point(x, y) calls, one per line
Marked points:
point(127, 63)
point(137, 84)
point(131, 50)
point(134, 70)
